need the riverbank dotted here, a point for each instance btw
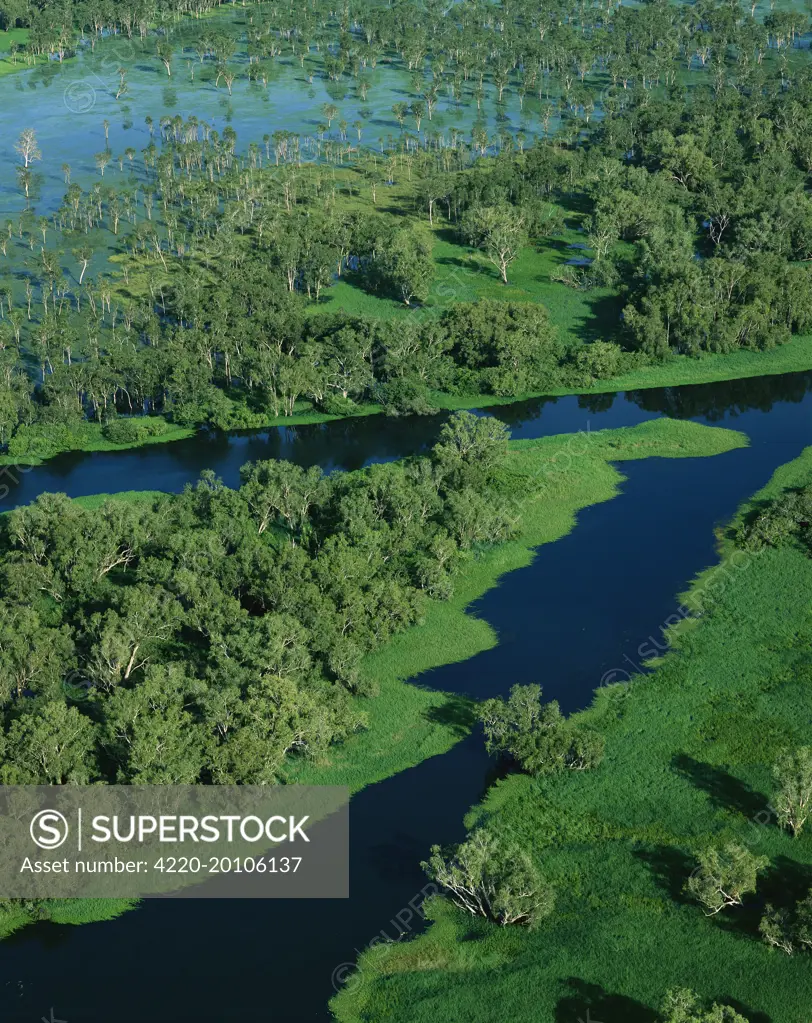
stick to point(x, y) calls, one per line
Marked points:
point(557, 476)
point(689, 751)
point(681, 371)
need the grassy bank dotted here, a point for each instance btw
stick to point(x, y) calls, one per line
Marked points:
point(790, 358)
point(63, 911)
point(688, 757)
point(560, 475)
point(408, 723)
point(88, 437)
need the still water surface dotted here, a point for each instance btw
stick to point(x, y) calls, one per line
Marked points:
point(578, 614)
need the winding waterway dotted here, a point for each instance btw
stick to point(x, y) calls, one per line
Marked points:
point(576, 615)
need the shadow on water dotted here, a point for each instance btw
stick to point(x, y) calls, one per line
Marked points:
point(353, 443)
point(589, 608)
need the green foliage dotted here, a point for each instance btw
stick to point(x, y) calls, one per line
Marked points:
point(133, 431)
point(214, 635)
point(499, 231)
point(785, 519)
point(724, 876)
point(600, 360)
point(403, 264)
point(681, 1005)
point(793, 798)
point(788, 929)
point(487, 876)
point(509, 345)
point(536, 735)
point(405, 397)
point(470, 448)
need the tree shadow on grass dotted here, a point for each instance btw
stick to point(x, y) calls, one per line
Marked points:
point(670, 868)
point(590, 1002)
point(604, 321)
point(458, 713)
point(749, 1014)
point(782, 884)
point(725, 791)
point(785, 882)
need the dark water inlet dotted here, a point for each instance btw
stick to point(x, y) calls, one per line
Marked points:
point(353, 443)
point(580, 611)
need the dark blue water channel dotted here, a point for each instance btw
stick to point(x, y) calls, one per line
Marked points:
point(578, 614)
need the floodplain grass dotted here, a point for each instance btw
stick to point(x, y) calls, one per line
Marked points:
point(689, 750)
point(93, 501)
point(65, 911)
point(88, 437)
point(407, 723)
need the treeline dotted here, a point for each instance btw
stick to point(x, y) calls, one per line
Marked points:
point(245, 347)
point(694, 202)
point(209, 636)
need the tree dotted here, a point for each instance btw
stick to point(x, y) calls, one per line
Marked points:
point(52, 744)
point(418, 112)
point(788, 929)
point(793, 800)
point(102, 160)
point(400, 110)
point(724, 876)
point(511, 345)
point(682, 1005)
point(405, 263)
point(536, 734)
point(284, 490)
point(27, 146)
point(487, 877)
point(126, 639)
point(330, 111)
point(33, 656)
point(83, 255)
point(151, 732)
point(498, 231)
point(470, 448)
point(777, 928)
point(163, 49)
point(599, 360)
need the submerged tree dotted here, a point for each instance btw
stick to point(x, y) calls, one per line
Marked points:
point(28, 147)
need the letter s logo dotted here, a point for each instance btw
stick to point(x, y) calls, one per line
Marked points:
point(49, 829)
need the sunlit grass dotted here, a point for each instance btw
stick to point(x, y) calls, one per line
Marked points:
point(688, 758)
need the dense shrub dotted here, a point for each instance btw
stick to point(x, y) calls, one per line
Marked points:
point(134, 431)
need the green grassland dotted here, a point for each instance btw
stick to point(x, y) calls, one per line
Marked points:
point(408, 723)
point(88, 437)
point(688, 756)
point(559, 475)
point(463, 275)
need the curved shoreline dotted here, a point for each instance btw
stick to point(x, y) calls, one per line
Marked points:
point(777, 364)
